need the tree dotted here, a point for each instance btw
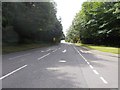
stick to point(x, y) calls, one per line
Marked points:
point(32, 21)
point(98, 23)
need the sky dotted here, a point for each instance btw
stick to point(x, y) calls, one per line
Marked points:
point(67, 9)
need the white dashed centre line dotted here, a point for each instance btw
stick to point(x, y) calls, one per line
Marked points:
point(13, 72)
point(54, 50)
point(62, 61)
point(48, 50)
point(64, 51)
point(43, 56)
point(42, 51)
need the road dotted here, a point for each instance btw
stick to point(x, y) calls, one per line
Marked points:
point(60, 66)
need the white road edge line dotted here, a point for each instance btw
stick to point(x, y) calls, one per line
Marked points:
point(88, 63)
point(91, 66)
point(43, 56)
point(86, 60)
point(12, 72)
point(103, 80)
point(19, 56)
point(95, 72)
point(80, 54)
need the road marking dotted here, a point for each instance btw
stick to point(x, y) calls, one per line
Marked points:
point(54, 50)
point(43, 56)
point(86, 60)
point(82, 51)
point(13, 72)
point(48, 50)
point(85, 51)
point(64, 51)
point(88, 63)
point(53, 68)
point(42, 51)
point(19, 56)
point(103, 80)
point(80, 54)
point(95, 72)
point(62, 61)
point(91, 66)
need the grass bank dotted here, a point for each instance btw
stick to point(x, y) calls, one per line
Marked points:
point(16, 48)
point(114, 50)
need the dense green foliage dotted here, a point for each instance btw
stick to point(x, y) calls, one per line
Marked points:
point(96, 23)
point(24, 22)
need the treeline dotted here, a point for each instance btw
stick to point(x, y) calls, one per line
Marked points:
point(30, 22)
point(97, 23)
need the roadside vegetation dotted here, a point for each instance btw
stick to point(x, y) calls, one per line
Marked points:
point(16, 48)
point(24, 23)
point(97, 23)
point(114, 50)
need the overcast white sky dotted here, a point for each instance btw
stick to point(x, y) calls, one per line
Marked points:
point(67, 9)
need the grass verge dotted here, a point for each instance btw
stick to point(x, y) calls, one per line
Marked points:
point(16, 48)
point(114, 50)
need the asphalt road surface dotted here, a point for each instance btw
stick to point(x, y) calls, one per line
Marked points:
point(60, 66)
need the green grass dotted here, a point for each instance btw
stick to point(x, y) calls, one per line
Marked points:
point(114, 50)
point(16, 48)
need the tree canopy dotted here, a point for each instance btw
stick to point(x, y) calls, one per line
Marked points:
point(96, 23)
point(30, 22)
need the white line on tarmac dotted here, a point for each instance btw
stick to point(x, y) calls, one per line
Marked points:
point(19, 56)
point(85, 51)
point(62, 61)
point(13, 72)
point(42, 51)
point(103, 80)
point(95, 72)
point(91, 66)
point(54, 50)
point(43, 56)
point(80, 54)
point(88, 63)
point(64, 51)
point(48, 50)
point(82, 51)
point(86, 60)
